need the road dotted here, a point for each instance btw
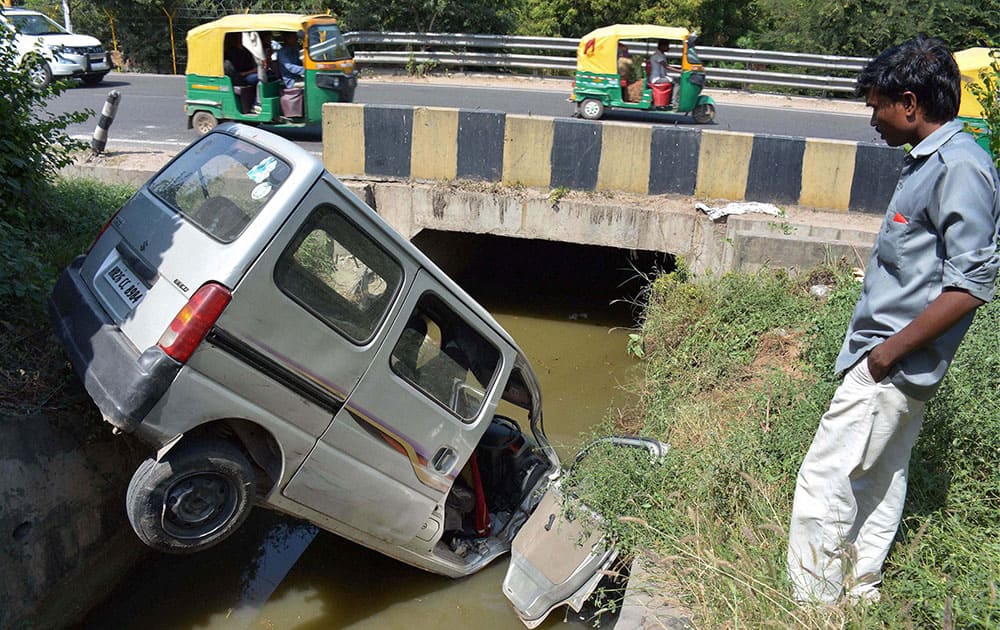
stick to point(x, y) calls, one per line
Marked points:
point(151, 111)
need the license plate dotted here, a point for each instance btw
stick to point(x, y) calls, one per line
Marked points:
point(125, 284)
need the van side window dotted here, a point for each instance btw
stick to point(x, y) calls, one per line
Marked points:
point(444, 357)
point(339, 274)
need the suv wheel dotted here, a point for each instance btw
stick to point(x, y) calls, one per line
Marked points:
point(193, 498)
point(39, 73)
point(93, 79)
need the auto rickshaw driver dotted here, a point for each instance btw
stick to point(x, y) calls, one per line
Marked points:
point(600, 83)
point(220, 79)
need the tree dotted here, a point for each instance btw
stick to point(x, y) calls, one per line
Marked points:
point(426, 16)
point(33, 144)
point(575, 18)
point(33, 147)
point(867, 27)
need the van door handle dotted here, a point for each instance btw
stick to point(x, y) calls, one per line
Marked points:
point(444, 459)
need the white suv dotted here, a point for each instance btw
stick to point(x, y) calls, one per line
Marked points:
point(65, 54)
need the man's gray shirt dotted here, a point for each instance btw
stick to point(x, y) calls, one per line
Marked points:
point(939, 232)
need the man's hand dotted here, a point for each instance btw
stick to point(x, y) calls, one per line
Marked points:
point(880, 362)
point(939, 316)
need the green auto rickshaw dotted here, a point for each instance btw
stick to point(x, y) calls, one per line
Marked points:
point(607, 75)
point(972, 63)
point(216, 90)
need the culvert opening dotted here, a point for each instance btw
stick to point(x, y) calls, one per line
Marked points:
point(21, 531)
point(553, 279)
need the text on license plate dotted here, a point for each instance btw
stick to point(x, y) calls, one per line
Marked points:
point(125, 284)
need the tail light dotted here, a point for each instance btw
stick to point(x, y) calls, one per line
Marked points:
point(193, 322)
point(102, 231)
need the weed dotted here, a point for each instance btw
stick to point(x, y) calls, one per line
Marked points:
point(738, 371)
point(557, 193)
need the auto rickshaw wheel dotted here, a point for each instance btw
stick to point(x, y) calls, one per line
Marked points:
point(203, 122)
point(704, 113)
point(591, 109)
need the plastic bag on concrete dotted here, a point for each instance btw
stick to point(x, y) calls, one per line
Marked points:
point(739, 207)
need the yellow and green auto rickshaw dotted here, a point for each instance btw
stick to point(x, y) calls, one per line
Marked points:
point(232, 72)
point(607, 75)
point(972, 63)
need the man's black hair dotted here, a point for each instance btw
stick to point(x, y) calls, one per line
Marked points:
point(923, 65)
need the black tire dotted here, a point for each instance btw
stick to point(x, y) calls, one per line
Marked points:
point(192, 499)
point(39, 73)
point(704, 113)
point(591, 109)
point(203, 122)
point(93, 79)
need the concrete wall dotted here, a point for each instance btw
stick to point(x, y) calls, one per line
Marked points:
point(657, 223)
point(422, 143)
point(66, 540)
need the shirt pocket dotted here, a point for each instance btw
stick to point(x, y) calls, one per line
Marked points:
point(893, 239)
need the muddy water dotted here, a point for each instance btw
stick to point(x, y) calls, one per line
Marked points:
point(555, 300)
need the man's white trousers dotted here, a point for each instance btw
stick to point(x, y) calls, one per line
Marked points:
point(850, 489)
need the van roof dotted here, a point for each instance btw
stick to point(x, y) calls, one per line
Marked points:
point(303, 159)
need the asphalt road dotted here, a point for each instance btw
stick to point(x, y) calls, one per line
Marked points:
point(151, 110)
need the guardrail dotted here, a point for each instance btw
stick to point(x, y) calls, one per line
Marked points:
point(511, 52)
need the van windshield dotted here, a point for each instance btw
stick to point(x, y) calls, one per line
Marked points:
point(327, 44)
point(220, 184)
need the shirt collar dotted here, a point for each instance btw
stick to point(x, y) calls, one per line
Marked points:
point(938, 137)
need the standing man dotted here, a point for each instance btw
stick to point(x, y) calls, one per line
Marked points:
point(934, 262)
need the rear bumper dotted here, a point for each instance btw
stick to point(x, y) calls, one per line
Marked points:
point(124, 383)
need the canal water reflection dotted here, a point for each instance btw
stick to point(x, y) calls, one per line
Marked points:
point(554, 300)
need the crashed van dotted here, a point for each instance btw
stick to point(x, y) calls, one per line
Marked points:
point(274, 342)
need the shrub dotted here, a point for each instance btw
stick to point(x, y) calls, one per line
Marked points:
point(988, 95)
point(33, 147)
point(739, 370)
point(33, 144)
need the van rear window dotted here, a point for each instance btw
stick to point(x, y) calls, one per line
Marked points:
point(220, 184)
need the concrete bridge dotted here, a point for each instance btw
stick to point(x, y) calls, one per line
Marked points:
point(613, 184)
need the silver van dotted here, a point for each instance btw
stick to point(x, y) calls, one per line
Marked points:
point(275, 342)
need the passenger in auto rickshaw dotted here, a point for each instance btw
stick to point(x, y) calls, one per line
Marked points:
point(660, 74)
point(625, 70)
point(238, 63)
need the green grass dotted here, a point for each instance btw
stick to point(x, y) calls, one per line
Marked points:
point(738, 371)
point(34, 375)
point(34, 249)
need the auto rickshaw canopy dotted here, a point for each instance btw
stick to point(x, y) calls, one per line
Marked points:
point(205, 42)
point(971, 63)
point(598, 49)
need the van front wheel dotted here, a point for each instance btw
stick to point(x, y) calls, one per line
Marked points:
point(193, 498)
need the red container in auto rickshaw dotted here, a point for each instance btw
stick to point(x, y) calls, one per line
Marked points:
point(661, 94)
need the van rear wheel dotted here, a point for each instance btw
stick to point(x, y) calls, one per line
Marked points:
point(203, 122)
point(193, 498)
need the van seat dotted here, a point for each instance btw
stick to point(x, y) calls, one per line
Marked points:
point(221, 217)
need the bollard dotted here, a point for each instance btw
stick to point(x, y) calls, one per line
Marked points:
point(104, 122)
